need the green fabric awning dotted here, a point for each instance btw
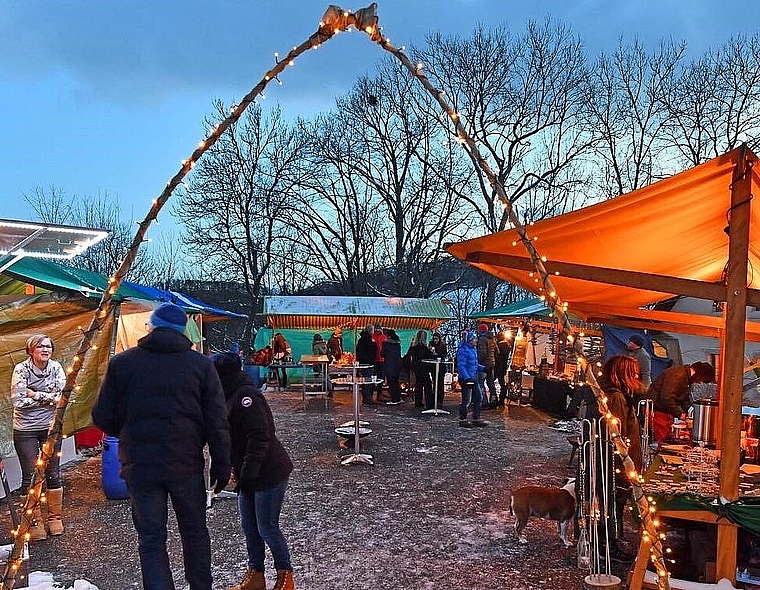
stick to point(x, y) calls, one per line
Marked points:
point(53, 276)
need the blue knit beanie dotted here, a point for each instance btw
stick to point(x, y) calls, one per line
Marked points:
point(471, 336)
point(168, 315)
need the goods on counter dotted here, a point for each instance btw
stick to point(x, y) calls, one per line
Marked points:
point(346, 359)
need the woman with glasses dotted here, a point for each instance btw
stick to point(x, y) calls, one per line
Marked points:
point(36, 385)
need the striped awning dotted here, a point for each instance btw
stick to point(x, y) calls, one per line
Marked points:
point(330, 312)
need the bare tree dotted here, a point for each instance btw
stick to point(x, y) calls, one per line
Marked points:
point(102, 211)
point(714, 105)
point(520, 97)
point(625, 103)
point(234, 206)
point(387, 193)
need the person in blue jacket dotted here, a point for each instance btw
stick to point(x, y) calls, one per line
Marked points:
point(467, 370)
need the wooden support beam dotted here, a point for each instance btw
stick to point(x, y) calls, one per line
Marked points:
point(666, 321)
point(664, 284)
point(732, 354)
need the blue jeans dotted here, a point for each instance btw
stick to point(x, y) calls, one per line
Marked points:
point(260, 521)
point(487, 378)
point(28, 444)
point(150, 513)
point(470, 393)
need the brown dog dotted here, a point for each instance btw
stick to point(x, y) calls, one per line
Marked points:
point(552, 503)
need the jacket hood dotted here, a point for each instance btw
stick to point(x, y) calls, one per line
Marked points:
point(231, 382)
point(164, 340)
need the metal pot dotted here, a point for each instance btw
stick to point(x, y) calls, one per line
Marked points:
point(704, 429)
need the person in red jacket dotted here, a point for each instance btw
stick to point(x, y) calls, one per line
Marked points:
point(378, 335)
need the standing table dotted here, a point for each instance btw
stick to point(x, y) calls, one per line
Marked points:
point(435, 411)
point(357, 456)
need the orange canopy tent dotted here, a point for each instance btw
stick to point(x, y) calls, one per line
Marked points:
point(609, 260)
point(696, 234)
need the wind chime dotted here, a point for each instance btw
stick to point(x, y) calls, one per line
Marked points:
point(597, 519)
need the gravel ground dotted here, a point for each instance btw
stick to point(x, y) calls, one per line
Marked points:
point(431, 513)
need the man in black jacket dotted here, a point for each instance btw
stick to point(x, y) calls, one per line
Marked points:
point(165, 403)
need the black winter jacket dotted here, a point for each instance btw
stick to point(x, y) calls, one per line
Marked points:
point(258, 459)
point(392, 354)
point(366, 349)
point(417, 354)
point(165, 403)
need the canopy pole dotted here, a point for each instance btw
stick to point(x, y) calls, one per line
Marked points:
point(732, 355)
point(550, 295)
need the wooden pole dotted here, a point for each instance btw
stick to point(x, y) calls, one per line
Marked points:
point(732, 354)
point(333, 21)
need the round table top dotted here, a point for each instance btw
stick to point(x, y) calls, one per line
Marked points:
point(285, 365)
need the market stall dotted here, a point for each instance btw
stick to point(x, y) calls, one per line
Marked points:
point(298, 318)
point(693, 234)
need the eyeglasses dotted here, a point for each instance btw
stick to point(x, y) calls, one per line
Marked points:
point(50, 346)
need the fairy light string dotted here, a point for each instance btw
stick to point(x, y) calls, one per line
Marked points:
point(650, 535)
point(334, 20)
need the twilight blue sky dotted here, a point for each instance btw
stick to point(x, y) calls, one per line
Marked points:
point(110, 95)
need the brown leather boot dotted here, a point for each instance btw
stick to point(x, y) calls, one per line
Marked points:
point(55, 508)
point(284, 580)
point(253, 580)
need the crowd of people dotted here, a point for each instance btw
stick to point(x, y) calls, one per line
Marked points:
point(168, 404)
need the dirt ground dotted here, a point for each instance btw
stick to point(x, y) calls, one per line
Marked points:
point(431, 513)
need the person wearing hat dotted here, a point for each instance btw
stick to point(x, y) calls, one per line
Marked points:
point(636, 349)
point(262, 467)
point(487, 351)
point(467, 370)
point(165, 402)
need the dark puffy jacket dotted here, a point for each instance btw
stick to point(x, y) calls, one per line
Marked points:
point(487, 350)
point(392, 355)
point(417, 354)
point(258, 459)
point(366, 349)
point(165, 403)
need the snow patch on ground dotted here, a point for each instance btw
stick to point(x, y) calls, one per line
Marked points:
point(45, 581)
